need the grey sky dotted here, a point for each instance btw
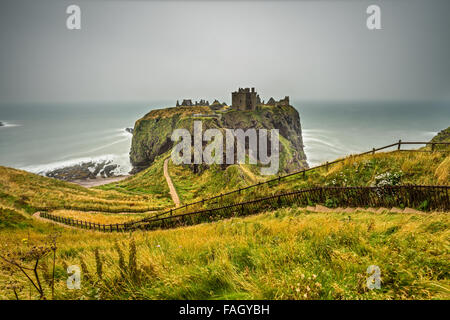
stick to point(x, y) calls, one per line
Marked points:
point(154, 50)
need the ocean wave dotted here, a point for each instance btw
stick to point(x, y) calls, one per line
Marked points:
point(122, 161)
point(328, 144)
point(107, 145)
point(9, 125)
point(322, 145)
point(120, 134)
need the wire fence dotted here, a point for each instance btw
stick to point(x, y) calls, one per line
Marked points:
point(412, 196)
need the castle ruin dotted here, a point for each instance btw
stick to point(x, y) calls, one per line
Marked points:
point(282, 102)
point(189, 103)
point(248, 99)
point(245, 99)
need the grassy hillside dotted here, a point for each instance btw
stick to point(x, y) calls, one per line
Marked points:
point(149, 183)
point(290, 253)
point(442, 136)
point(392, 168)
point(287, 254)
point(147, 191)
point(23, 193)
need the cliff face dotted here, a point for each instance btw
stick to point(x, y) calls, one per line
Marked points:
point(151, 135)
point(442, 136)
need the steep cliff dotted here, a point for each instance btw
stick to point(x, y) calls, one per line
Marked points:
point(442, 136)
point(152, 133)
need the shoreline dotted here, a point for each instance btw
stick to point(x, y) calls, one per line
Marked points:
point(99, 181)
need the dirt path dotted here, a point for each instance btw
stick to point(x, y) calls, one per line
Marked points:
point(173, 192)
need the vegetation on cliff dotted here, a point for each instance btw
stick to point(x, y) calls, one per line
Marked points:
point(442, 136)
point(152, 133)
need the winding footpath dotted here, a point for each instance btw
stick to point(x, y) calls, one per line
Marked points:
point(173, 192)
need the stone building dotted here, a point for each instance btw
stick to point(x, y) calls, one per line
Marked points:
point(245, 99)
point(271, 101)
point(189, 103)
point(282, 102)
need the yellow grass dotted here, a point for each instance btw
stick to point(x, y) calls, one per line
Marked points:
point(99, 217)
point(287, 254)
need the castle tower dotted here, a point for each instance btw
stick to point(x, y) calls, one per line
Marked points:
point(244, 99)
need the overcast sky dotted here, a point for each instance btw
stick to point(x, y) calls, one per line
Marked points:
point(154, 50)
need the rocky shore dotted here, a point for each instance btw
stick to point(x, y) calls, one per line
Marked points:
point(84, 171)
point(89, 173)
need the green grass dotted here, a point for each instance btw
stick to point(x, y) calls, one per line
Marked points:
point(286, 254)
point(149, 182)
point(31, 192)
point(392, 168)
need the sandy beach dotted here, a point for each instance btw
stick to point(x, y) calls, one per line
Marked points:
point(99, 181)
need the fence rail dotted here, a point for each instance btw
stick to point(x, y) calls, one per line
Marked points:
point(303, 172)
point(414, 196)
point(99, 210)
point(219, 198)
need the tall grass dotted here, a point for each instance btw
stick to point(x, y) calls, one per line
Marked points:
point(286, 254)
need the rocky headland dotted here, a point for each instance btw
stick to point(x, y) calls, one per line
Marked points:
point(152, 133)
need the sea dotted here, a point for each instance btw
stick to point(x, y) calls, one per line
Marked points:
point(43, 137)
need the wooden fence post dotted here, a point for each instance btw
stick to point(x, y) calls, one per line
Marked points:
point(373, 150)
point(399, 144)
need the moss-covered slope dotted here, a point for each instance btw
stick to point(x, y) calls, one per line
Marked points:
point(152, 133)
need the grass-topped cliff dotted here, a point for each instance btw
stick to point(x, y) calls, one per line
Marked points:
point(152, 133)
